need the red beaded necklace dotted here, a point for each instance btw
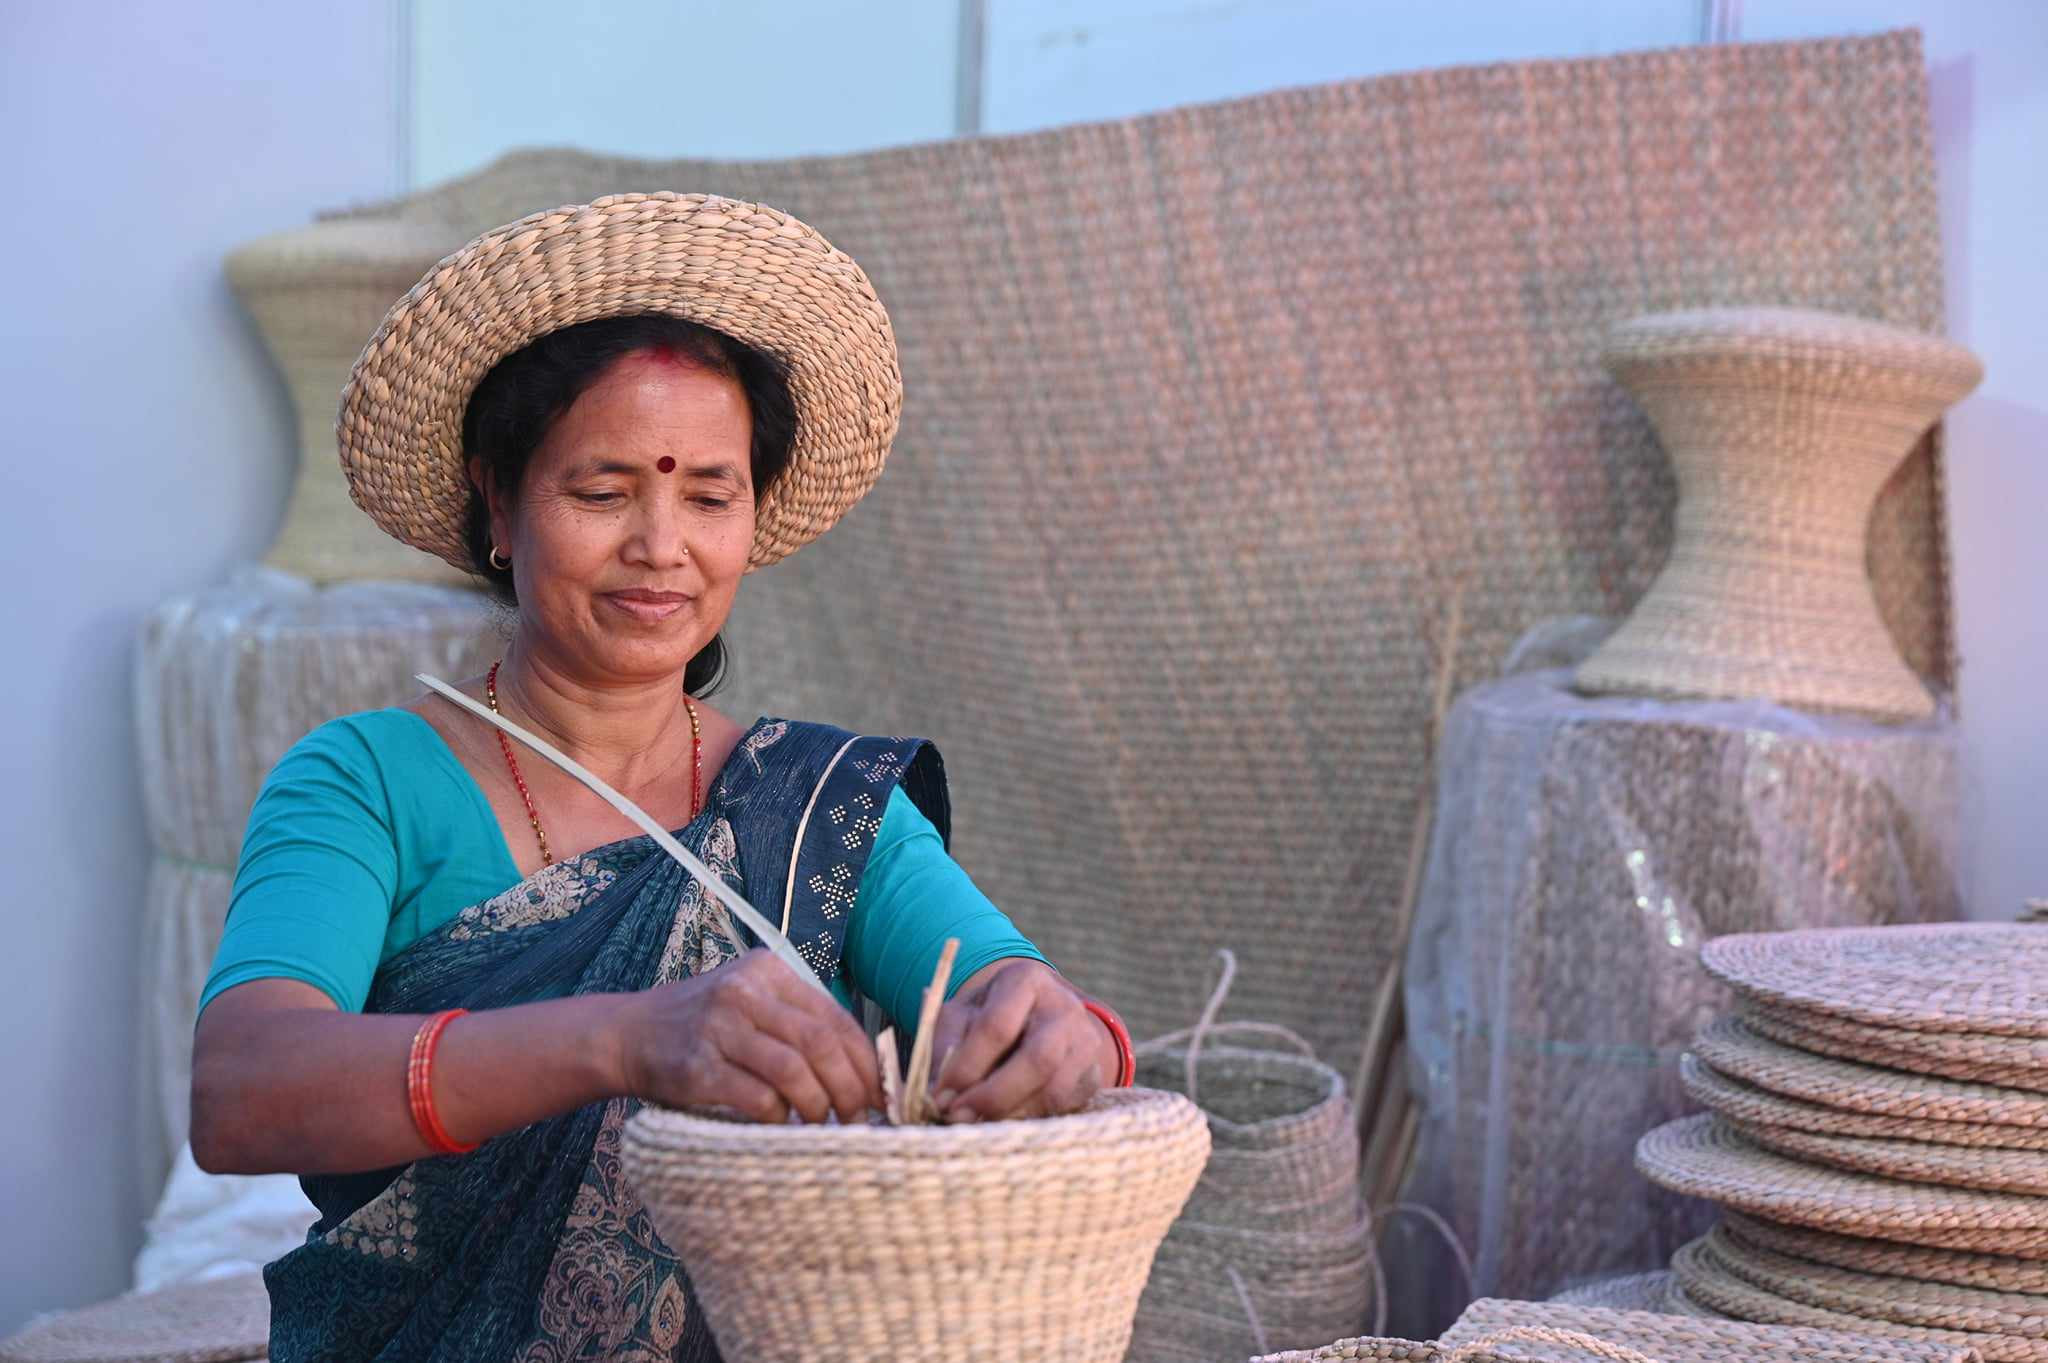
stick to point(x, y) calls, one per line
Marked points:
point(505, 746)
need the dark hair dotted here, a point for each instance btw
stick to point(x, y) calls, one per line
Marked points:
point(512, 409)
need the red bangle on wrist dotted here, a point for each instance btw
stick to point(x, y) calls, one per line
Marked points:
point(419, 1085)
point(1127, 1059)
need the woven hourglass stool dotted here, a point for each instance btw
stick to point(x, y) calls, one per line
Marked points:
point(1782, 425)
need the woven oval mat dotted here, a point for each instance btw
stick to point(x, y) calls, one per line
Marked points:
point(1996, 1272)
point(1742, 1102)
point(1706, 1279)
point(1949, 1166)
point(1730, 1046)
point(2005, 1061)
point(1933, 977)
point(1903, 1301)
point(1704, 1157)
point(1687, 1338)
point(216, 1320)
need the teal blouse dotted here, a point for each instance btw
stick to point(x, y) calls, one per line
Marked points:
point(369, 834)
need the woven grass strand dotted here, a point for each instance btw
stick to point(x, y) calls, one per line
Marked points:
point(714, 884)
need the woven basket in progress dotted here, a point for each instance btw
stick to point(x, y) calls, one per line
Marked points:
point(1024, 1240)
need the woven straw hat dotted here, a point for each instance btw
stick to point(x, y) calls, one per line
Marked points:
point(749, 271)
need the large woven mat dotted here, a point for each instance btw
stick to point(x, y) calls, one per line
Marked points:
point(1207, 414)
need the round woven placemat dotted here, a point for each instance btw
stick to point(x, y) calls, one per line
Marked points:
point(1996, 1272)
point(216, 1320)
point(1746, 1103)
point(1684, 1338)
point(1731, 1047)
point(1702, 1156)
point(1935, 977)
point(1950, 1166)
point(1937, 1306)
point(1707, 1279)
point(2005, 1061)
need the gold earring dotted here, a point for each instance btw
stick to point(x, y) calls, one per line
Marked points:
point(494, 556)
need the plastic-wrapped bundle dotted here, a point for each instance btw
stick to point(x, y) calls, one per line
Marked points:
point(226, 680)
point(1583, 851)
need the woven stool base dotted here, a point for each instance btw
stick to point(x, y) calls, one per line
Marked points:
point(216, 1320)
point(1782, 425)
point(1902, 1301)
point(1704, 1157)
point(1706, 1278)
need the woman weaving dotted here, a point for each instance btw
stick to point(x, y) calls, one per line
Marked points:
point(449, 974)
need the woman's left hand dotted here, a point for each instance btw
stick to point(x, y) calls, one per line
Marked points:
point(1016, 1042)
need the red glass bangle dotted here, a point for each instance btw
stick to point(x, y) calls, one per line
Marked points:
point(419, 1086)
point(1127, 1059)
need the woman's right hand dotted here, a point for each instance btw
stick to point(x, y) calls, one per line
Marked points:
point(752, 1037)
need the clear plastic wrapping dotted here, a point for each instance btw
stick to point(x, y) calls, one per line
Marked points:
point(1583, 850)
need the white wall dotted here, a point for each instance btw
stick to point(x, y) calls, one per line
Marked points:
point(1988, 71)
point(717, 78)
point(145, 449)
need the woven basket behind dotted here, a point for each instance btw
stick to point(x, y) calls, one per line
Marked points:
point(921, 1244)
point(1273, 1241)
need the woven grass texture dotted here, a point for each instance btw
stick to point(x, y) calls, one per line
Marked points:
point(1585, 850)
point(1208, 413)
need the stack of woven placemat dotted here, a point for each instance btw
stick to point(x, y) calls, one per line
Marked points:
point(1493, 1330)
point(1877, 1135)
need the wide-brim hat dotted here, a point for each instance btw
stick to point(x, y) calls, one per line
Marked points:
point(750, 271)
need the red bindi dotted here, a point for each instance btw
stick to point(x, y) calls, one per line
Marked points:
point(667, 463)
